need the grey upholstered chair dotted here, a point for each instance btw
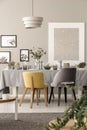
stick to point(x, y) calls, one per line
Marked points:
point(63, 78)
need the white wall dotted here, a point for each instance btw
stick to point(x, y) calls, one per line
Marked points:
point(12, 11)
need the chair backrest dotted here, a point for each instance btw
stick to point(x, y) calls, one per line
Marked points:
point(68, 75)
point(33, 79)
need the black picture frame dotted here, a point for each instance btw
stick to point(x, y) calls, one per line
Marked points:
point(24, 55)
point(8, 41)
point(5, 57)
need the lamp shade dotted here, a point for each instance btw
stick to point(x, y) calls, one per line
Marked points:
point(32, 22)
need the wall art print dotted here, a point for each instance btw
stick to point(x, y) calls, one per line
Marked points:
point(24, 55)
point(9, 41)
point(5, 57)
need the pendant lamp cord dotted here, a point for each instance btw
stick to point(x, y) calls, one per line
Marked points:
point(32, 7)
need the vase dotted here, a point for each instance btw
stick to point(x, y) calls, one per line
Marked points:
point(37, 63)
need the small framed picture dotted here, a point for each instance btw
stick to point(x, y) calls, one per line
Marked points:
point(5, 57)
point(24, 55)
point(8, 41)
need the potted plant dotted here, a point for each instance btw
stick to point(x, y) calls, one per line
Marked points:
point(11, 65)
point(47, 67)
point(77, 111)
point(54, 67)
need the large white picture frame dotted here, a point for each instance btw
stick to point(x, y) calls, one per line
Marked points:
point(81, 45)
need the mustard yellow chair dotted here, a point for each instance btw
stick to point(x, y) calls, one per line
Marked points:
point(34, 81)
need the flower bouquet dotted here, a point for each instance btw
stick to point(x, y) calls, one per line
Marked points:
point(37, 53)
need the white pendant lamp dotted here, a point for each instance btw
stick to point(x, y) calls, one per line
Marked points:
point(32, 21)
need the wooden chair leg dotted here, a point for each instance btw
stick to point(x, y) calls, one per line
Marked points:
point(37, 96)
point(39, 93)
point(33, 94)
point(31, 100)
point(45, 96)
point(21, 100)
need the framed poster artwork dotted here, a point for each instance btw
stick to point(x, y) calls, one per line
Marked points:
point(24, 55)
point(9, 41)
point(63, 38)
point(5, 57)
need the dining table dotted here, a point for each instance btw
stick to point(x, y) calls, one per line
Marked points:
point(14, 78)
